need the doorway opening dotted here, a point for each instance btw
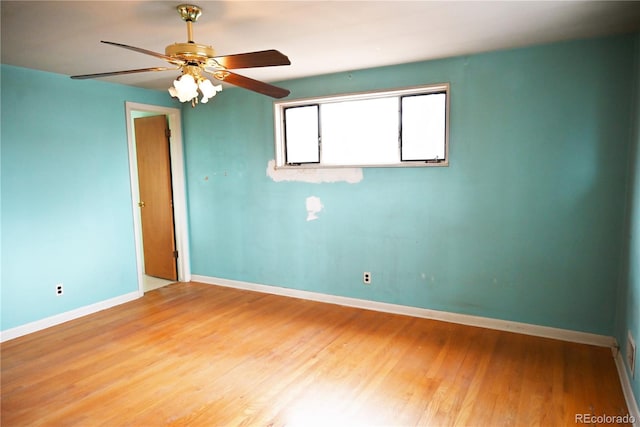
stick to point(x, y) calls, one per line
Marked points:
point(147, 282)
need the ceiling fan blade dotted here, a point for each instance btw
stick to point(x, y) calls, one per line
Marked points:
point(251, 84)
point(264, 58)
point(117, 73)
point(147, 52)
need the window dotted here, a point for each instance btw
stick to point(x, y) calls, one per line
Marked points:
point(402, 127)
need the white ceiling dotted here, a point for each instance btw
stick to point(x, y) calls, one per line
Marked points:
point(319, 37)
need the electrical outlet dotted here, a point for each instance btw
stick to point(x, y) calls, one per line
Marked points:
point(59, 289)
point(366, 278)
point(631, 354)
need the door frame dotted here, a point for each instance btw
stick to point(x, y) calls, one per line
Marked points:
point(178, 185)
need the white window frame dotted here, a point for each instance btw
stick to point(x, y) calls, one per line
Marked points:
point(279, 127)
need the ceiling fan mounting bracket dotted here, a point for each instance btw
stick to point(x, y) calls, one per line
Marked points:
point(190, 52)
point(189, 12)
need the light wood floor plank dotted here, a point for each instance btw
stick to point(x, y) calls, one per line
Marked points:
point(201, 355)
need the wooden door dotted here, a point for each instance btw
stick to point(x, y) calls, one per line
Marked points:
point(156, 198)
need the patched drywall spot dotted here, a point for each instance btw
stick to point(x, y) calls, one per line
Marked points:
point(314, 205)
point(314, 176)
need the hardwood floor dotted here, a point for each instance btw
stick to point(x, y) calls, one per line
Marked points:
point(202, 355)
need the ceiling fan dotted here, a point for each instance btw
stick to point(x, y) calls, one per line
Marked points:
point(196, 59)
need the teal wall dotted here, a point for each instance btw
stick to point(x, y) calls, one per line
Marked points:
point(628, 309)
point(526, 224)
point(66, 198)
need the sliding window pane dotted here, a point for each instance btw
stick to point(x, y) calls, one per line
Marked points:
point(363, 132)
point(423, 127)
point(301, 134)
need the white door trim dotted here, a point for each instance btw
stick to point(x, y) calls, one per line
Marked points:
point(178, 183)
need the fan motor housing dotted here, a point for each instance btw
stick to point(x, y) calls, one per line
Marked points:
point(190, 51)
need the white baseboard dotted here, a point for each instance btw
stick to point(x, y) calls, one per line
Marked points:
point(463, 319)
point(629, 397)
point(38, 325)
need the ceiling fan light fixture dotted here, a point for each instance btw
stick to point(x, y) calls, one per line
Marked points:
point(208, 89)
point(186, 87)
